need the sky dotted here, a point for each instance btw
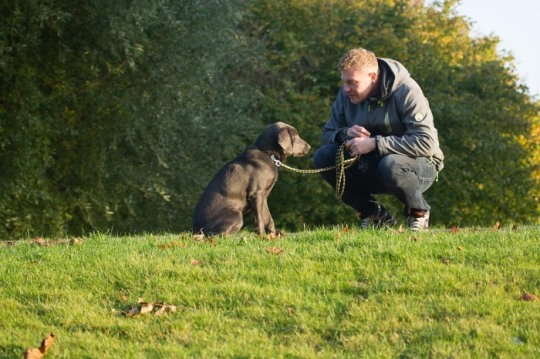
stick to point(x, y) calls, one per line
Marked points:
point(517, 25)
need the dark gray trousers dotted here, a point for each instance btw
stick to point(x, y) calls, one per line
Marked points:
point(401, 176)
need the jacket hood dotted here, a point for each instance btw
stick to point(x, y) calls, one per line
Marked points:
point(392, 74)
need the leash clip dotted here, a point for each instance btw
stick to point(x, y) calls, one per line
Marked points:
point(276, 161)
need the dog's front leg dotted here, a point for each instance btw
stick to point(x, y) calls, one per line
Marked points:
point(262, 219)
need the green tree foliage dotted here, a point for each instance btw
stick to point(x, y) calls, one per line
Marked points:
point(483, 114)
point(112, 114)
point(115, 115)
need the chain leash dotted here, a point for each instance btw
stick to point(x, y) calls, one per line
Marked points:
point(341, 165)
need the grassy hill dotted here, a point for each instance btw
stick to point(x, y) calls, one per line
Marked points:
point(335, 292)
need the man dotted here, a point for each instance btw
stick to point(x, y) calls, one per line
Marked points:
point(381, 115)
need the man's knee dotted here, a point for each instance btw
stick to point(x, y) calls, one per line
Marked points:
point(392, 167)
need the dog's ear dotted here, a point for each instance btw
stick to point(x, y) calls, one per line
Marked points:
point(268, 139)
point(286, 139)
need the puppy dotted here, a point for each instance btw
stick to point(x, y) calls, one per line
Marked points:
point(243, 184)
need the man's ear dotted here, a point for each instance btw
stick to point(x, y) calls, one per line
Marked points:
point(373, 76)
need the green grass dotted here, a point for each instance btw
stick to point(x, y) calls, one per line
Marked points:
point(329, 293)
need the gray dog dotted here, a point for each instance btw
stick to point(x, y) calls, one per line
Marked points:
point(243, 184)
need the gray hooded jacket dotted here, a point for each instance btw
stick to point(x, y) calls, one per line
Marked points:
point(399, 117)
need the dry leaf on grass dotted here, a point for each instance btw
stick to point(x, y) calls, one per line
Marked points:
point(445, 261)
point(341, 232)
point(38, 353)
point(290, 310)
point(274, 250)
point(40, 242)
point(132, 312)
point(528, 297)
point(54, 242)
point(143, 308)
point(76, 241)
point(165, 309)
point(196, 262)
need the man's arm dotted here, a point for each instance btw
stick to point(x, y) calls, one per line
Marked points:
point(420, 137)
point(335, 130)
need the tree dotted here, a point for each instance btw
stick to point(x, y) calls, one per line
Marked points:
point(108, 109)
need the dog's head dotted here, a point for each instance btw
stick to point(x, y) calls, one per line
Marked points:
point(284, 139)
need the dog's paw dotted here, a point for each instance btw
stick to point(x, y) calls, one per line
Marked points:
point(199, 236)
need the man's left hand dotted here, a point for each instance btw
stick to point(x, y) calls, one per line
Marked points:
point(360, 146)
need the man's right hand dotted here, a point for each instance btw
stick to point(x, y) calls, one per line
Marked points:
point(358, 131)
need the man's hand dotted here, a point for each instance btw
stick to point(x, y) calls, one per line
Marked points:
point(360, 145)
point(358, 132)
point(360, 141)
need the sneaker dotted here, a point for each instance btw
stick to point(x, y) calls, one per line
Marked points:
point(418, 220)
point(376, 221)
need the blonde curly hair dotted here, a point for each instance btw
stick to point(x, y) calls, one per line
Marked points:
point(358, 59)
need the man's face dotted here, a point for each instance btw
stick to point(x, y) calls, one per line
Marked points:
point(357, 84)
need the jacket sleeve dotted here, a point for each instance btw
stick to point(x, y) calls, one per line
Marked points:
point(420, 137)
point(333, 130)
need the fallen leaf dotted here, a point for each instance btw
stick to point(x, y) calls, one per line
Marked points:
point(290, 310)
point(33, 353)
point(133, 311)
point(38, 353)
point(40, 242)
point(123, 297)
point(497, 225)
point(460, 248)
point(274, 250)
point(196, 262)
point(165, 309)
point(146, 308)
point(529, 297)
point(401, 228)
point(345, 229)
point(158, 308)
point(76, 241)
point(445, 261)
point(455, 229)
